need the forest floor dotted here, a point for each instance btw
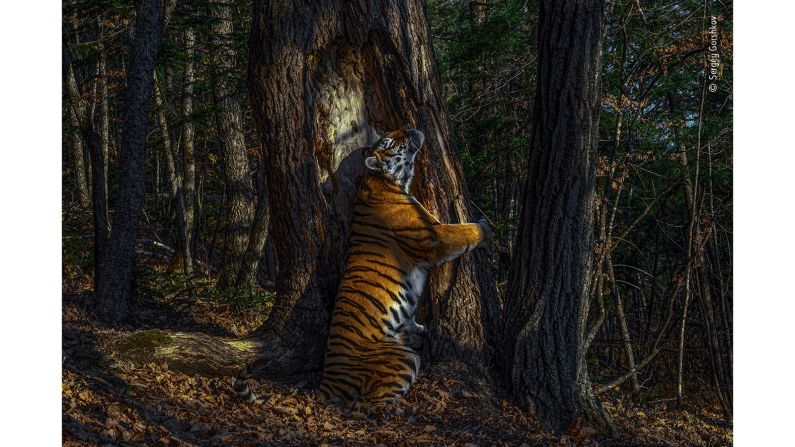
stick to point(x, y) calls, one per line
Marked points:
point(108, 402)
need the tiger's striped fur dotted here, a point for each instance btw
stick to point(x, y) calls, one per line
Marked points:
point(372, 349)
point(371, 353)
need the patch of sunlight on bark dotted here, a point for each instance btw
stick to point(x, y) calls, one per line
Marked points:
point(242, 345)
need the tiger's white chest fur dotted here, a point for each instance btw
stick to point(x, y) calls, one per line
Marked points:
point(408, 296)
point(415, 283)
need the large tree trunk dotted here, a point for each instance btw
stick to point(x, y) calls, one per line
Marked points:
point(326, 78)
point(114, 283)
point(229, 117)
point(543, 355)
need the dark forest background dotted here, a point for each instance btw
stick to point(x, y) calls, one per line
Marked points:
point(212, 237)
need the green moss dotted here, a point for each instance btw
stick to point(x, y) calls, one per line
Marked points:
point(144, 340)
point(78, 257)
point(164, 286)
point(653, 393)
point(254, 299)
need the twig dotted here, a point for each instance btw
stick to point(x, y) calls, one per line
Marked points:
point(621, 379)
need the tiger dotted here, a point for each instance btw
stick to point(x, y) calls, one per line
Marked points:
point(372, 351)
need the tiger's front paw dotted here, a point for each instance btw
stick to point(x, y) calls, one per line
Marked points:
point(488, 237)
point(413, 334)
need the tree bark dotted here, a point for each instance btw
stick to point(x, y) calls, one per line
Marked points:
point(104, 112)
point(162, 125)
point(542, 355)
point(229, 118)
point(698, 239)
point(88, 135)
point(78, 160)
point(247, 277)
point(175, 181)
point(326, 78)
point(114, 283)
point(188, 165)
point(78, 120)
point(622, 321)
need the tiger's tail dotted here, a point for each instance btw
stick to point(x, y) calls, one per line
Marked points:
point(241, 385)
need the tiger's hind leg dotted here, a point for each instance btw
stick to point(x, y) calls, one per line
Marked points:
point(385, 394)
point(381, 391)
point(382, 396)
point(332, 394)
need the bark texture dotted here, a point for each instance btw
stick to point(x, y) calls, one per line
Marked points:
point(114, 281)
point(188, 165)
point(543, 353)
point(104, 112)
point(87, 133)
point(175, 181)
point(76, 145)
point(229, 118)
point(75, 108)
point(247, 277)
point(326, 78)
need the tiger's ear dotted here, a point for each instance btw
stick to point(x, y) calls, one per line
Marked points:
point(373, 163)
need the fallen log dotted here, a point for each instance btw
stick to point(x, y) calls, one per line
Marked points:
point(191, 353)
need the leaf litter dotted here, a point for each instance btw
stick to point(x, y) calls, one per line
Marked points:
point(148, 404)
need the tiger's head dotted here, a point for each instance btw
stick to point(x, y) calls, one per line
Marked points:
point(393, 155)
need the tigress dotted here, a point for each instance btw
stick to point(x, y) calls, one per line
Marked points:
point(372, 354)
